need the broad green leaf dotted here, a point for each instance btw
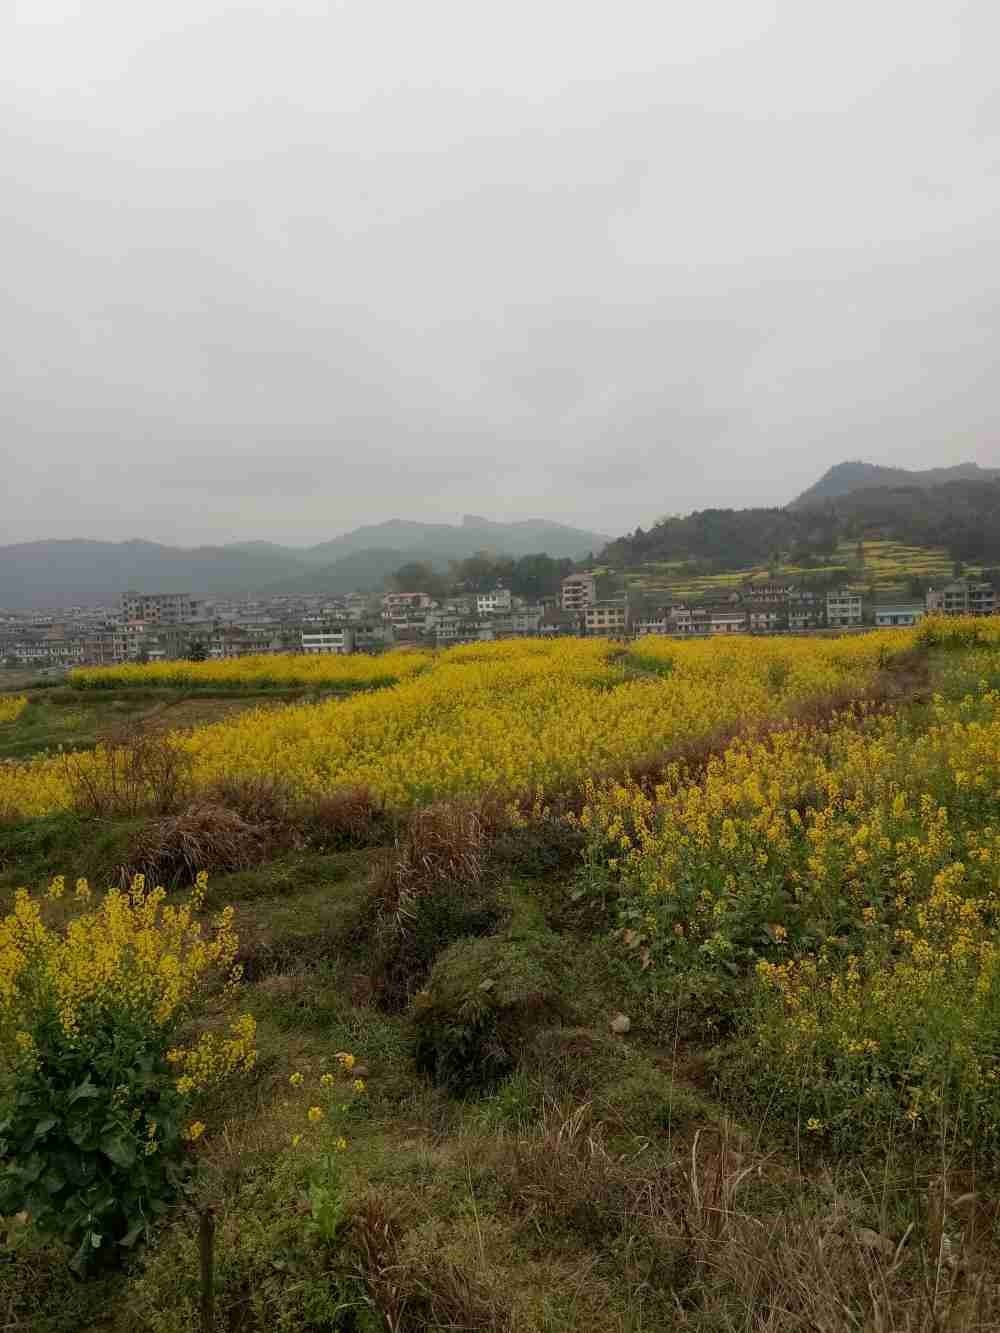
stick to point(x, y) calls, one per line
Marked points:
point(118, 1150)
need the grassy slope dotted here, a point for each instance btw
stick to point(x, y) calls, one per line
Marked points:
point(61, 717)
point(601, 1187)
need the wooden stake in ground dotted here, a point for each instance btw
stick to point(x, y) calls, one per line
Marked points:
point(206, 1249)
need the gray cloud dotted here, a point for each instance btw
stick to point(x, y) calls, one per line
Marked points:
point(276, 270)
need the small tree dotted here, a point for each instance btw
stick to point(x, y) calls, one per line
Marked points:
point(197, 652)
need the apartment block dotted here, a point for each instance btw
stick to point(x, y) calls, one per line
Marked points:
point(688, 619)
point(400, 605)
point(159, 608)
point(609, 617)
point(727, 622)
point(578, 592)
point(802, 616)
point(339, 640)
point(660, 623)
point(766, 618)
point(962, 598)
point(844, 608)
point(494, 602)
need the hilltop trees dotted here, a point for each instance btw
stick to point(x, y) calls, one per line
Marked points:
point(961, 516)
point(531, 577)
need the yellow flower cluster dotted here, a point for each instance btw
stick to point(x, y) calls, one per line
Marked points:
point(317, 671)
point(12, 706)
point(518, 718)
point(134, 960)
point(327, 1082)
point(213, 1059)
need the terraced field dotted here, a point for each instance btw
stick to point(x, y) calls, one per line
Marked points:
point(887, 567)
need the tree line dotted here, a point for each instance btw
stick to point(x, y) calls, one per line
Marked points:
point(531, 576)
point(963, 517)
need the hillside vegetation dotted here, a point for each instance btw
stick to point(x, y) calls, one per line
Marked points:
point(844, 478)
point(960, 519)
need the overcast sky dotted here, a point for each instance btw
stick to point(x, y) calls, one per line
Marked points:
point(276, 268)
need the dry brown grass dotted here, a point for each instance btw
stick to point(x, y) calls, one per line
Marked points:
point(345, 818)
point(173, 849)
point(259, 800)
point(439, 859)
point(415, 1284)
point(144, 773)
point(745, 1243)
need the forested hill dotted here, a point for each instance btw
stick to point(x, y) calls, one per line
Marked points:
point(961, 516)
point(845, 478)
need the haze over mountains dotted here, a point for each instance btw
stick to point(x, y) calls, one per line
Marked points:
point(954, 507)
point(48, 574)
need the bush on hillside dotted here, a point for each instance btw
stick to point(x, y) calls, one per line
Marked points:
point(95, 1091)
point(482, 999)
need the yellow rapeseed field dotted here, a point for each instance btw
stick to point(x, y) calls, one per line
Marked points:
point(516, 717)
point(857, 871)
point(320, 671)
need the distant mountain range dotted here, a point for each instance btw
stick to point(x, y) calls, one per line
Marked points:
point(847, 477)
point(957, 508)
point(50, 574)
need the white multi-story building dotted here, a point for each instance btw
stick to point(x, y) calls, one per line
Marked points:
point(656, 624)
point(843, 608)
point(446, 628)
point(802, 616)
point(765, 618)
point(578, 592)
point(494, 602)
point(340, 640)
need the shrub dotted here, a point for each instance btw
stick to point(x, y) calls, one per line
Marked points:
point(275, 1271)
point(482, 999)
point(144, 772)
point(94, 1089)
point(543, 844)
point(563, 1177)
point(259, 800)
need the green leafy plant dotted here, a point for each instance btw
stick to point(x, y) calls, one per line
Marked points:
point(93, 1090)
point(327, 1207)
